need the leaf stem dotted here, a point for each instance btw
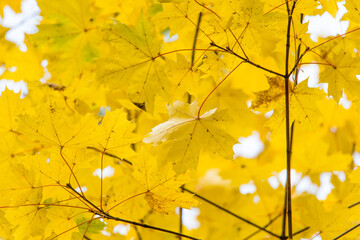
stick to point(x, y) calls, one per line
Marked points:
point(331, 39)
point(203, 5)
point(202, 104)
point(71, 170)
point(126, 200)
point(89, 221)
point(231, 213)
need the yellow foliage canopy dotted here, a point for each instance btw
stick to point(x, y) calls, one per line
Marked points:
point(133, 133)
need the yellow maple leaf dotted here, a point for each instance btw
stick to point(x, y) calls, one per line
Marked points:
point(68, 34)
point(114, 135)
point(161, 187)
point(142, 73)
point(353, 7)
point(10, 107)
point(342, 75)
point(55, 128)
point(188, 132)
point(302, 100)
point(329, 6)
point(327, 223)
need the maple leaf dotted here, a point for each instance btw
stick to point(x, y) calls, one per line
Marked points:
point(323, 222)
point(161, 187)
point(341, 75)
point(302, 101)
point(330, 6)
point(143, 72)
point(186, 131)
point(27, 64)
point(57, 129)
point(353, 11)
point(116, 135)
point(183, 77)
point(10, 106)
point(71, 35)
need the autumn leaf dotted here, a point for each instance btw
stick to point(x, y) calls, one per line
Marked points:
point(10, 106)
point(353, 8)
point(161, 187)
point(302, 101)
point(185, 130)
point(341, 75)
point(144, 70)
point(69, 34)
point(56, 128)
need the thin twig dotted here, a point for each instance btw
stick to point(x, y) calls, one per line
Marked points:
point(347, 231)
point(231, 213)
point(110, 155)
point(247, 60)
point(258, 231)
point(110, 217)
point(298, 60)
point(101, 178)
point(180, 221)
point(283, 226)
point(83, 197)
point(195, 39)
point(353, 205)
point(72, 172)
point(96, 210)
point(300, 231)
point(193, 47)
point(181, 215)
point(287, 109)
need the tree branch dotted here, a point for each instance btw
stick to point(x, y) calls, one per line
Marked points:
point(106, 215)
point(110, 217)
point(300, 231)
point(257, 231)
point(346, 232)
point(110, 155)
point(231, 213)
point(354, 204)
point(287, 109)
point(246, 60)
point(195, 39)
